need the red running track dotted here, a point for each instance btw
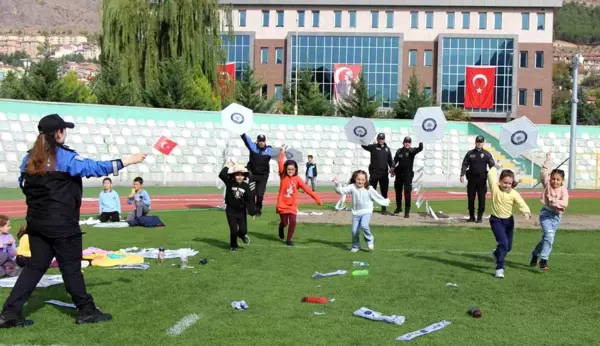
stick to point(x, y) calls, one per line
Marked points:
point(17, 208)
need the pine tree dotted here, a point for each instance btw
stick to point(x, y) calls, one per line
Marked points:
point(360, 103)
point(310, 99)
point(406, 105)
point(110, 89)
point(70, 89)
point(248, 93)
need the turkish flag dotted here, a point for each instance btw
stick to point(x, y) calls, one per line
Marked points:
point(226, 78)
point(165, 145)
point(479, 86)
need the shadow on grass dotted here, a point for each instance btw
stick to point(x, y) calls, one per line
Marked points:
point(265, 236)
point(491, 260)
point(336, 244)
point(214, 242)
point(464, 265)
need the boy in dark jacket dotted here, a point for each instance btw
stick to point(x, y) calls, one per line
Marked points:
point(238, 199)
point(311, 173)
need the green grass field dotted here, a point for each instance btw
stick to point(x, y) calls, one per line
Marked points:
point(408, 275)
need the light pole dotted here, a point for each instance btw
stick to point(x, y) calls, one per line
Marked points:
point(578, 59)
point(296, 65)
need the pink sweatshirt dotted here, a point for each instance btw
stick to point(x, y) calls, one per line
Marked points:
point(555, 199)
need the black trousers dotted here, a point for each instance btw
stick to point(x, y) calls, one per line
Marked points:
point(67, 251)
point(260, 186)
point(112, 216)
point(383, 179)
point(403, 182)
point(238, 227)
point(476, 185)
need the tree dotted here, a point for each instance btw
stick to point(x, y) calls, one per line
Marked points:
point(70, 89)
point(14, 59)
point(310, 99)
point(406, 105)
point(139, 35)
point(110, 89)
point(360, 102)
point(12, 87)
point(577, 23)
point(453, 113)
point(40, 79)
point(561, 76)
point(248, 93)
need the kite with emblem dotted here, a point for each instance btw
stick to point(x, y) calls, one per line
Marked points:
point(429, 124)
point(290, 154)
point(237, 118)
point(360, 131)
point(518, 136)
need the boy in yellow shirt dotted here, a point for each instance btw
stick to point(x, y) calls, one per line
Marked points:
point(504, 197)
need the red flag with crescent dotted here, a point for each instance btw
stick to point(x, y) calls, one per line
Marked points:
point(343, 77)
point(479, 86)
point(165, 145)
point(226, 75)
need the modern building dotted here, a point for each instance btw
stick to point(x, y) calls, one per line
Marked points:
point(388, 40)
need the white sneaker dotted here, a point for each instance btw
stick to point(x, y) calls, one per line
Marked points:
point(371, 246)
point(354, 249)
point(499, 273)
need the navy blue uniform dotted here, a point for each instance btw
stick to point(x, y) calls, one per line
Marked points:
point(53, 208)
point(475, 168)
point(259, 167)
point(403, 163)
point(381, 162)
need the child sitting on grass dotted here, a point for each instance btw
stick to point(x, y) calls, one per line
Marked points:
point(140, 199)
point(7, 241)
point(504, 197)
point(363, 196)
point(109, 203)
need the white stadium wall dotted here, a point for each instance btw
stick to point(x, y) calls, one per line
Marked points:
point(107, 132)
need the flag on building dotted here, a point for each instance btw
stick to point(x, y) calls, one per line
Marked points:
point(165, 145)
point(226, 78)
point(479, 86)
point(343, 77)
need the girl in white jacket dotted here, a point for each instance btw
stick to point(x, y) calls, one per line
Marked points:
point(363, 196)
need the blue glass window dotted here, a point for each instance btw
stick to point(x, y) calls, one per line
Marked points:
point(498, 20)
point(428, 58)
point(279, 19)
point(265, 18)
point(427, 92)
point(412, 57)
point(352, 19)
point(523, 57)
point(242, 18)
point(279, 56)
point(300, 19)
point(429, 20)
point(482, 20)
point(374, 19)
point(337, 18)
point(389, 18)
point(522, 97)
point(525, 21)
point(450, 20)
point(414, 20)
point(539, 59)
point(537, 98)
point(541, 21)
point(315, 19)
point(264, 55)
point(466, 20)
point(237, 50)
point(278, 92)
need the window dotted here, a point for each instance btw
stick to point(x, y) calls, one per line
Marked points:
point(265, 18)
point(523, 59)
point(466, 20)
point(450, 20)
point(412, 57)
point(525, 21)
point(498, 20)
point(352, 19)
point(428, 58)
point(389, 18)
point(427, 92)
point(278, 92)
point(279, 56)
point(537, 98)
point(539, 59)
point(279, 19)
point(301, 19)
point(429, 20)
point(541, 21)
point(264, 55)
point(337, 19)
point(522, 97)
point(374, 19)
point(482, 20)
point(315, 19)
point(414, 20)
point(242, 18)
point(237, 49)
point(263, 91)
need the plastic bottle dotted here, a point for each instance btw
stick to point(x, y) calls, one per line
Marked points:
point(475, 312)
point(315, 300)
point(360, 264)
point(360, 273)
point(161, 255)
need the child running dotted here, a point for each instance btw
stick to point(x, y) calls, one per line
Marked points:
point(287, 201)
point(238, 200)
point(504, 197)
point(363, 196)
point(556, 199)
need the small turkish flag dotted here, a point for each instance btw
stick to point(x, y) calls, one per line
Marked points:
point(479, 86)
point(165, 145)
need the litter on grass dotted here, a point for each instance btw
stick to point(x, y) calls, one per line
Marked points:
point(316, 313)
point(424, 331)
point(143, 266)
point(450, 284)
point(241, 305)
point(378, 316)
point(326, 275)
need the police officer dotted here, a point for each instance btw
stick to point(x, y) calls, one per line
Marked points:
point(51, 179)
point(381, 164)
point(259, 167)
point(403, 170)
point(475, 167)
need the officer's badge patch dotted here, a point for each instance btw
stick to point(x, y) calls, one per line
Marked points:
point(481, 155)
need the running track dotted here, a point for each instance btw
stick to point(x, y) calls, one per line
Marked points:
point(17, 208)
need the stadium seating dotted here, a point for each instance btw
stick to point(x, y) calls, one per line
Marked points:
point(105, 132)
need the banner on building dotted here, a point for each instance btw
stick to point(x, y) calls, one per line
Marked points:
point(343, 77)
point(479, 86)
point(226, 75)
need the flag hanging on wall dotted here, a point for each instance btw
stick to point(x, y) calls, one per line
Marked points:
point(479, 86)
point(226, 75)
point(343, 77)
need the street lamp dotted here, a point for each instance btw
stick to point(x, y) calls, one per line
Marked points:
point(577, 60)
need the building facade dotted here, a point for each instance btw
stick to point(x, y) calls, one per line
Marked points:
point(389, 40)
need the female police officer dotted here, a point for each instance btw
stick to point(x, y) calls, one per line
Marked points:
point(51, 179)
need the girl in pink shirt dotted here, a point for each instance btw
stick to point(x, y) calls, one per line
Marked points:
point(555, 199)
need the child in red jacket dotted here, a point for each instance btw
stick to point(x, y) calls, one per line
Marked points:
point(287, 200)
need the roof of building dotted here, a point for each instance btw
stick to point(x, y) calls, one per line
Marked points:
point(395, 3)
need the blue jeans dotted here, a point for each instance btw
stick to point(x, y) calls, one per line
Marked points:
point(358, 222)
point(550, 221)
point(503, 232)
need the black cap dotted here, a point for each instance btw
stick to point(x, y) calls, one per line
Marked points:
point(479, 139)
point(261, 138)
point(381, 136)
point(52, 123)
point(407, 140)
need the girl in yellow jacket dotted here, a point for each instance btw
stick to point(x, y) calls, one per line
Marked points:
point(23, 251)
